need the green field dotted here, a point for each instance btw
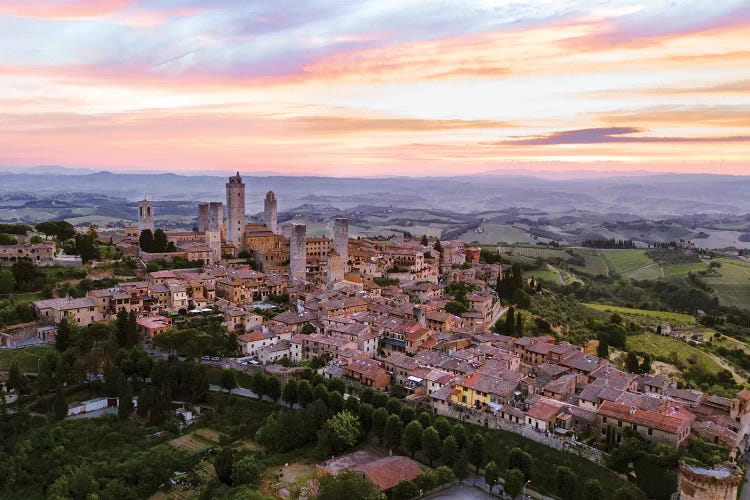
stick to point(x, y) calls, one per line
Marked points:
point(628, 261)
point(534, 252)
point(595, 263)
point(546, 275)
point(27, 358)
point(674, 270)
point(670, 317)
point(661, 348)
point(731, 282)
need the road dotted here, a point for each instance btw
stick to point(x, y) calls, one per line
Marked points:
point(498, 315)
point(161, 354)
point(475, 481)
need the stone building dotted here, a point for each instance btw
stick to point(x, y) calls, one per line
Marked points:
point(341, 239)
point(702, 483)
point(202, 217)
point(235, 210)
point(145, 216)
point(270, 212)
point(298, 252)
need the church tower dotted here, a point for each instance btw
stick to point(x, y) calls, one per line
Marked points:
point(269, 212)
point(145, 215)
point(235, 210)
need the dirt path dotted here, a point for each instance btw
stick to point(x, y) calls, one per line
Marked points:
point(725, 364)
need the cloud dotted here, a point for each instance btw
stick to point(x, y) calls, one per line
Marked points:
point(611, 135)
point(55, 9)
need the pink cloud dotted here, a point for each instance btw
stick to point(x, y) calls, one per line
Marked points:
point(54, 9)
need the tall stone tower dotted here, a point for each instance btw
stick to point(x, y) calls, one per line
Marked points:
point(269, 212)
point(341, 239)
point(235, 210)
point(298, 252)
point(145, 215)
point(214, 227)
point(202, 217)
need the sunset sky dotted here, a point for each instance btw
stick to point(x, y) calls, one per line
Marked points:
point(376, 87)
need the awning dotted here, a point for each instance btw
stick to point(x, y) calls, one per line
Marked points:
point(415, 379)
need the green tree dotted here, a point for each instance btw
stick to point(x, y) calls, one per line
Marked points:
point(521, 460)
point(413, 437)
point(132, 330)
point(352, 404)
point(631, 363)
point(304, 392)
point(519, 324)
point(450, 451)
point(160, 241)
point(393, 431)
point(335, 402)
point(602, 350)
point(443, 427)
point(398, 391)
point(348, 484)
point(320, 392)
point(228, 380)
point(125, 405)
point(592, 490)
point(645, 364)
point(61, 407)
point(16, 379)
point(121, 328)
point(246, 470)
point(510, 322)
point(289, 394)
point(461, 467)
point(424, 241)
point(431, 444)
point(24, 272)
point(491, 474)
point(407, 414)
point(405, 490)
point(336, 384)
point(343, 431)
point(455, 307)
point(7, 281)
point(379, 419)
point(459, 434)
point(283, 430)
point(379, 399)
point(63, 336)
point(565, 483)
point(514, 482)
point(476, 451)
point(146, 241)
point(425, 419)
point(258, 383)
point(273, 388)
point(223, 464)
point(365, 417)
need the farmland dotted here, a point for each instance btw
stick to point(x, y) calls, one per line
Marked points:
point(731, 282)
point(534, 252)
point(594, 262)
point(665, 316)
point(625, 262)
point(670, 349)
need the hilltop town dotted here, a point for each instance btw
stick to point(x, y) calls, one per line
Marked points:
point(436, 323)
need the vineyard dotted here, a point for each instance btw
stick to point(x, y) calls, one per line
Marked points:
point(534, 252)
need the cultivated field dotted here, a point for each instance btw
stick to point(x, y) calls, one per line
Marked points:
point(595, 263)
point(666, 348)
point(196, 441)
point(534, 252)
point(665, 316)
point(731, 282)
point(628, 261)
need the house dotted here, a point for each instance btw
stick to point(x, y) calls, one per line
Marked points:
point(81, 312)
point(368, 372)
point(672, 429)
point(149, 326)
point(385, 473)
point(542, 414)
point(274, 353)
point(479, 389)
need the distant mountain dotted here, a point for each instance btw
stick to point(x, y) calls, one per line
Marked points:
point(661, 195)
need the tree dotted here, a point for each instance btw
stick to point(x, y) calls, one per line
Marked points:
point(246, 470)
point(459, 434)
point(407, 414)
point(393, 406)
point(645, 364)
point(450, 451)
point(405, 490)
point(602, 350)
point(424, 241)
point(343, 431)
point(61, 407)
point(63, 336)
point(125, 406)
point(258, 383)
point(431, 444)
point(289, 394)
point(491, 474)
point(476, 451)
point(160, 241)
point(631, 363)
point(335, 402)
point(425, 419)
point(336, 384)
point(131, 336)
point(7, 281)
point(320, 392)
point(16, 379)
point(510, 322)
point(393, 431)
point(592, 490)
point(412, 440)
point(379, 419)
point(455, 307)
point(514, 482)
point(223, 463)
point(519, 324)
point(273, 388)
point(304, 392)
point(121, 328)
point(24, 272)
point(443, 427)
point(348, 484)
point(146, 241)
point(519, 459)
point(379, 399)
point(461, 467)
point(228, 380)
point(565, 483)
point(283, 430)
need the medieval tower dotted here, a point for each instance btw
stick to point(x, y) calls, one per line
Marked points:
point(341, 239)
point(298, 252)
point(235, 210)
point(145, 215)
point(269, 212)
point(202, 217)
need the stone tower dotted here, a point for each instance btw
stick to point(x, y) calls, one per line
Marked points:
point(214, 226)
point(269, 212)
point(702, 483)
point(202, 217)
point(298, 252)
point(235, 210)
point(335, 269)
point(145, 215)
point(341, 239)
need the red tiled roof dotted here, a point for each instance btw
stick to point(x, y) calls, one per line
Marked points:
point(388, 472)
point(630, 414)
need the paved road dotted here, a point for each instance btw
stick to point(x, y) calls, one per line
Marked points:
point(461, 492)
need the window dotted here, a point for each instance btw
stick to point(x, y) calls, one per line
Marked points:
point(619, 423)
point(650, 432)
point(604, 420)
point(604, 431)
point(635, 427)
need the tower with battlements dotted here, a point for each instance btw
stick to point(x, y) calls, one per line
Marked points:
point(298, 252)
point(341, 239)
point(269, 212)
point(145, 215)
point(235, 210)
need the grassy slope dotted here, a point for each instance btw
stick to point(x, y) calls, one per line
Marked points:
point(732, 284)
point(595, 263)
point(624, 261)
point(662, 348)
point(26, 358)
point(670, 317)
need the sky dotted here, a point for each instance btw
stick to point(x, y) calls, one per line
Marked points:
point(376, 87)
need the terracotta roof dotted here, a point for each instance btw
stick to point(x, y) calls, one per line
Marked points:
point(544, 409)
point(388, 472)
point(665, 423)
